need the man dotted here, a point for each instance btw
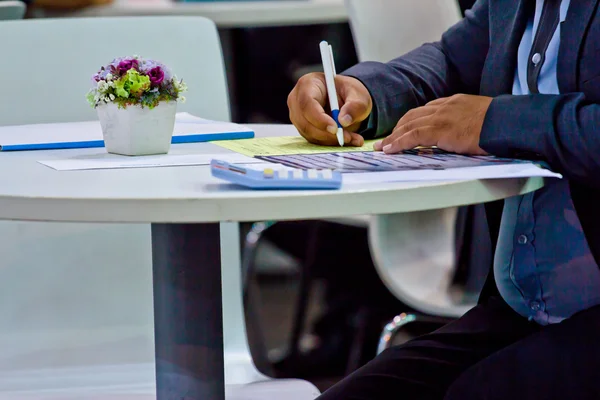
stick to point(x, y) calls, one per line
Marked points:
point(353, 288)
point(515, 78)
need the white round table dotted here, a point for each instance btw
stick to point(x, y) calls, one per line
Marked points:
point(184, 206)
point(232, 14)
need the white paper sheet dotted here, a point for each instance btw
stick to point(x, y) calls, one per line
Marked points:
point(112, 161)
point(522, 170)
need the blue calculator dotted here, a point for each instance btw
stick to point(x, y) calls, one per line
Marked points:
point(276, 178)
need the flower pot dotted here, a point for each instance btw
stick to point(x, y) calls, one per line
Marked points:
point(137, 131)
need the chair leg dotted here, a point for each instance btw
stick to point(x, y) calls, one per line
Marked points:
point(360, 333)
point(306, 280)
point(249, 254)
point(402, 320)
point(306, 277)
point(251, 300)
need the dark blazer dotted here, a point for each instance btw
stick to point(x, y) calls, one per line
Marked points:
point(479, 56)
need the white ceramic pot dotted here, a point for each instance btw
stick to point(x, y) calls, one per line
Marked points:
point(137, 131)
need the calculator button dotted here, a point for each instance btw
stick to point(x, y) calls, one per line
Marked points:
point(298, 174)
point(327, 174)
point(313, 174)
point(268, 173)
point(282, 174)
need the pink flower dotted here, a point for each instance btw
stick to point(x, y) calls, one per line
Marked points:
point(126, 65)
point(156, 75)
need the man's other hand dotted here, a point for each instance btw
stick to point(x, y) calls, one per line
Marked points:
point(451, 123)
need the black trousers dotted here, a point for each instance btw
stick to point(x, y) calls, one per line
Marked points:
point(490, 353)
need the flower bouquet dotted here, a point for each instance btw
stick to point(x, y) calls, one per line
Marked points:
point(136, 100)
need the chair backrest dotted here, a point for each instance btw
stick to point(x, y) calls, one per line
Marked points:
point(12, 10)
point(414, 256)
point(57, 58)
point(81, 294)
point(385, 29)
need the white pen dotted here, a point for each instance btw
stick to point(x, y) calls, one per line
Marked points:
point(330, 72)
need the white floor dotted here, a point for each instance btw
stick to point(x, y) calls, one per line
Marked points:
point(76, 317)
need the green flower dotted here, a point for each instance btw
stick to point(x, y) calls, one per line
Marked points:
point(139, 83)
point(91, 98)
point(122, 87)
point(132, 84)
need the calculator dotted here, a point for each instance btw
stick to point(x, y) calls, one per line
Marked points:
point(276, 177)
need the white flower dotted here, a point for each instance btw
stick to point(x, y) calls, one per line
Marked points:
point(102, 86)
point(182, 99)
point(112, 96)
point(109, 77)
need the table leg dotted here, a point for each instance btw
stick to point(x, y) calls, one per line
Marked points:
point(188, 315)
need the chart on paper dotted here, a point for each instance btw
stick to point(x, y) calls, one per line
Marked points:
point(421, 159)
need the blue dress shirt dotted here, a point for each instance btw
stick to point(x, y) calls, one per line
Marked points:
point(543, 266)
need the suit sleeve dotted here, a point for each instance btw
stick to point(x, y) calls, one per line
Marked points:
point(452, 65)
point(559, 129)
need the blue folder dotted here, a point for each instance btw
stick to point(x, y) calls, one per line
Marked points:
point(11, 144)
point(203, 137)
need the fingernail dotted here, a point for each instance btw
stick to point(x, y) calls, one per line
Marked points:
point(346, 120)
point(377, 145)
point(387, 148)
point(332, 129)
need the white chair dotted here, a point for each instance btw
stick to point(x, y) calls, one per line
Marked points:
point(12, 10)
point(414, 253)
point(386, 29)
point(81, 294)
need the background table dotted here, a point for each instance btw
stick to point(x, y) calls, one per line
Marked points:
point(194, 327)
point(232, 14)
point(260, 44)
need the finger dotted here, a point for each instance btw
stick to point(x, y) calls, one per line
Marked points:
point(401, 130)
point(311, 133)
point(423, 136)
point(357, 140)
point(353, 111)
point(355, 106)
point(438, 102)
point(353, 139)
point(310, 107)
point(417, 113)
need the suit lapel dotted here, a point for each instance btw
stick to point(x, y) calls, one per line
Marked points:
point(508, 24)
point(572, 33)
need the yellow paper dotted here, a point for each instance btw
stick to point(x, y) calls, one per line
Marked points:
point(284, 145)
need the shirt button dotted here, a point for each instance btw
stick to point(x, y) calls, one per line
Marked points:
point(535, 306)
point(522, 239)
point(536, 58)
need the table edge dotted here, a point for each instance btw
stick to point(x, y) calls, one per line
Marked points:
point(206, 210)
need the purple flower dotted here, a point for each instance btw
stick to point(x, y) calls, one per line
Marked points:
point(148, 65)
point(126, 65)
point(156, 75)
point(100, 75)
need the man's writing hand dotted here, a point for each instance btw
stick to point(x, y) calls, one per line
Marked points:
point(307, 103)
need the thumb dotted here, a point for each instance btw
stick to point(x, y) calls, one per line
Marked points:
point(354, 110)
